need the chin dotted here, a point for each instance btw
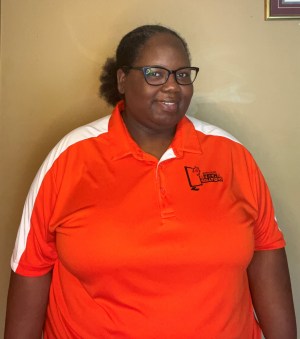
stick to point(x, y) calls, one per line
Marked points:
point(165, 119)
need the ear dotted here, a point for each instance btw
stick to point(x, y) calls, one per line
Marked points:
point(121, 77)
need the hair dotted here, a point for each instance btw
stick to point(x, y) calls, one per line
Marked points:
point(126, 54)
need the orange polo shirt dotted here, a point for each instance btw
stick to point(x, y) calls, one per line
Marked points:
point(142, 248)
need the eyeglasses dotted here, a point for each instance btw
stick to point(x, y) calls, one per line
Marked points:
point(158, 75)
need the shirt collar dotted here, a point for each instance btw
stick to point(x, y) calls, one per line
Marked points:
point(186, 138)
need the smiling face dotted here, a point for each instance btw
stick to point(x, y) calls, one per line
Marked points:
point(155, 109)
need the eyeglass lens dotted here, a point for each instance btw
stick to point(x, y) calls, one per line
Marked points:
point(159, 76)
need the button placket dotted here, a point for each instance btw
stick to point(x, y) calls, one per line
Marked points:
point(166, 207)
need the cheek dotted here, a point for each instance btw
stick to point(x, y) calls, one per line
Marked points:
point(190, 91)
point(187, 94)
point(142, 96)
point(137, 90)
point(139, 99)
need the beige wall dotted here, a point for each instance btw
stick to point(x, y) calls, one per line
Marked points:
point(52, 52)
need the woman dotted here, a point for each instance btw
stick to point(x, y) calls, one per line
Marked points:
point(147, 224)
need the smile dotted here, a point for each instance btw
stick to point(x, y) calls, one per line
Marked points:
point(168, 103)
point(168, 106)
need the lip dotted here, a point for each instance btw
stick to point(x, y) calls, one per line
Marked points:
point(169, 105)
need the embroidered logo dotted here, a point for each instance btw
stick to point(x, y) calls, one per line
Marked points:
point(196, 178)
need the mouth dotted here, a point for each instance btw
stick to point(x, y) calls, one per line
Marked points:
point(168, 105)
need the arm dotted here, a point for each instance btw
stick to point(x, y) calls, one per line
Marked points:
point(271, 293)
point(26, 306)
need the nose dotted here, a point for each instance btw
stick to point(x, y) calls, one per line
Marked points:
point(171, 84)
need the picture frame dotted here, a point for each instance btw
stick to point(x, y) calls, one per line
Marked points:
point(282, 9)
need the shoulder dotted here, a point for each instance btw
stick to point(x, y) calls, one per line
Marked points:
point(80, 134)
point(219, 143)
point(88, 131)
point(73, 141)
point(211, 130)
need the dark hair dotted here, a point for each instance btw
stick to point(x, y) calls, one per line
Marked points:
point(126, 54)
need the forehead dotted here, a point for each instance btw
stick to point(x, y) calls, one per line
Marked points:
point(163, 49)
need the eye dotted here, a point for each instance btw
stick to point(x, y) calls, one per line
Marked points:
point(183, 74)
point(154, 73)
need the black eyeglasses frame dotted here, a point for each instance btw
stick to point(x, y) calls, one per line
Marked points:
point(144, 68)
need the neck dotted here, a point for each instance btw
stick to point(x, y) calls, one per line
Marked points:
point(154, 142)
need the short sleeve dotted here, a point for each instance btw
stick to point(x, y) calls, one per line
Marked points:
point(267, 234)
point(35, 250)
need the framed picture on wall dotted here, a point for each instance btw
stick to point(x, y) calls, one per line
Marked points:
point(282, 9)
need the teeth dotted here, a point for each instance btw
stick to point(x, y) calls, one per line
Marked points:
point(169, 103)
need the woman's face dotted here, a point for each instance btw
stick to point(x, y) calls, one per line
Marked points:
point(156, 108)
